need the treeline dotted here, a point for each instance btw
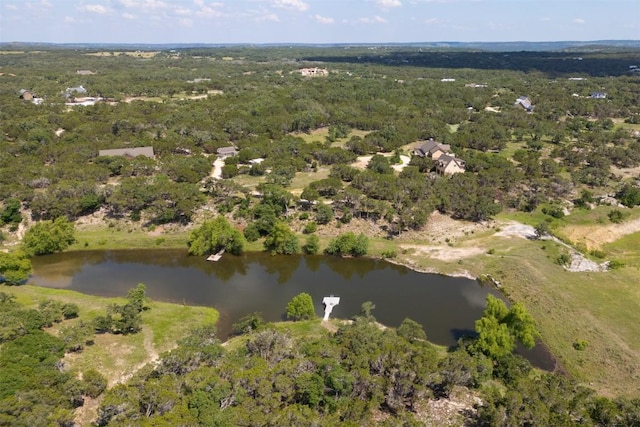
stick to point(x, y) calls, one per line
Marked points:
point(49, 162)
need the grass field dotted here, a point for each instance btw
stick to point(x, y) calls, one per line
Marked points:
point(117, 357)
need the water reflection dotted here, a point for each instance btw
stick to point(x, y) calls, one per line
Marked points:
point(447, 307)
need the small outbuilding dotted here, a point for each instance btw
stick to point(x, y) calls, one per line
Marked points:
point(224, 152)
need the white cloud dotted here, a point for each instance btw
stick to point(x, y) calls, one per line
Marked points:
point(375, 20)
point(209, 12)
point(39, 6)
point(128, 16)
point(298, 5)
point(94, 8)
point(198, 2)
point(183, 12)
point(69, 20)
point(433, 21)
point(579, 21)
point(185, 22)
point(11, 7)
point(144, 4)
point(323, 19)
point(545, 19)
point(267, 17)
point(387, 4)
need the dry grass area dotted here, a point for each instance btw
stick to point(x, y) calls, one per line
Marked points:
point(595, 236)
point(600, 308)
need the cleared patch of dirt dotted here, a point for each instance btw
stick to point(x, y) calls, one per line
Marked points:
point(454, 411)
point(516, 229)
point(445, 253)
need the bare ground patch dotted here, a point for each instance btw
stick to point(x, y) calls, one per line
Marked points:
point(445, 253)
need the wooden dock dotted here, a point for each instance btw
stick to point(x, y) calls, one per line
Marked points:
point(215, 257)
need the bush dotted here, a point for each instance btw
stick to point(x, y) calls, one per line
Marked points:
point(310, 228)
point(348, 244)
point(580, 345)
point(389, 253)
point(94, 383)
point(615, 264)
point(312, 246)
point(301, 307)
point(616, 216)
point(563, 259)
point(70, 310)
point(598, 253)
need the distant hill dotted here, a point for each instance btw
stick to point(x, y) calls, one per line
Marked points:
point(582, 46)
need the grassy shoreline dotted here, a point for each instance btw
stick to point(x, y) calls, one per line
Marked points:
point(597, 308)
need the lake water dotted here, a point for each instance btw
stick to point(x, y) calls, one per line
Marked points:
point(447, 307)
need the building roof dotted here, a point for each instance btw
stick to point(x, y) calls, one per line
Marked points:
point(77, 89)
point(227, 151)
point(431, 146)
point(128, 152)
point(525, 102)
point(444, 161)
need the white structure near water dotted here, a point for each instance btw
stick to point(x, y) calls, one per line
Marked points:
point(329, 303)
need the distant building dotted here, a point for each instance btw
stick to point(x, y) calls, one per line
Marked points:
point(598, 95)
point(27, 95)
point(129, 152)
point(85, 72)
point(525, 103)
point(224, 152)
point(72, 91)
point(447, 80)
point(313, 72)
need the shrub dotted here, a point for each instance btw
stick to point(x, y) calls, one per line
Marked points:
point(615, 264)
point(580, 345)
point(563, 259)
point(310, 228)
point(312, 246)
point(389, 253)
point(616, 216)
point(598, 253)
point(301, 307)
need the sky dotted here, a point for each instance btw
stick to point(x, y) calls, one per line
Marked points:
point(316, 21)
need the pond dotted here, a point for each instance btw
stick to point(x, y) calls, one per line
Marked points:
point(447, 307)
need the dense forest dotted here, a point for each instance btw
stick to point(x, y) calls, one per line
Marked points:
point(258, 102)
point(574, 144)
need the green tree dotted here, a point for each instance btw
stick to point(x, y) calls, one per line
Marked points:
point(214, 235)
point(282, 240)
point(500, 327)
point(301, 307)
point(47, 237)
point(411, 330)
point(348, 244)
point(10, 213)
point(312, 246)
point(15, 267)
point(94, 382)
